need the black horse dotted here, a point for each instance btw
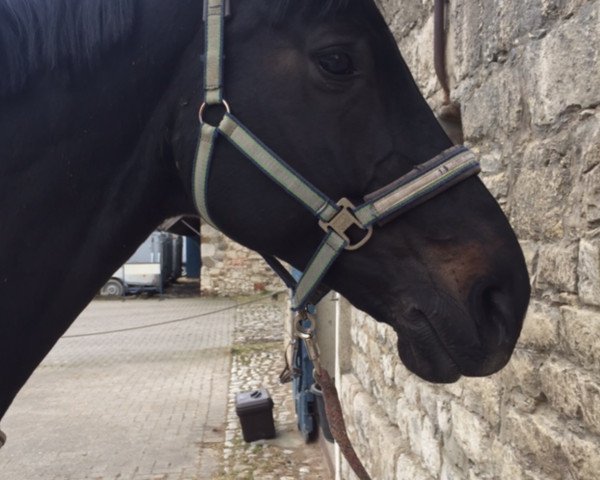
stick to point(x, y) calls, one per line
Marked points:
point(98, 129)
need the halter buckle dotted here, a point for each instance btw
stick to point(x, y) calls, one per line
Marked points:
point(345, 219)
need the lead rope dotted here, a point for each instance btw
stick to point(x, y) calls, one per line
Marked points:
point(337, 425)
point(333, 406)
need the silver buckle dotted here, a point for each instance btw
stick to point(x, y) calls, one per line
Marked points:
point(307, 335)
point(345, 219)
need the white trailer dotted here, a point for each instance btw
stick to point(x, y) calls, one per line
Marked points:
point(150, 268)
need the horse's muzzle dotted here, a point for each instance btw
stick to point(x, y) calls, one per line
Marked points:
point(441, 340)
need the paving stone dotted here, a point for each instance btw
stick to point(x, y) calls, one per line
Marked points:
point(135, 404)
point(156, 403)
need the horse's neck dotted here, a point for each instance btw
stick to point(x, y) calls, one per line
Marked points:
point(81, 184)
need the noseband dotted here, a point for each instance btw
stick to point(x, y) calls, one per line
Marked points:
point(335, 218)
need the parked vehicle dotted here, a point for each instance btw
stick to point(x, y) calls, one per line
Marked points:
point(155, 263)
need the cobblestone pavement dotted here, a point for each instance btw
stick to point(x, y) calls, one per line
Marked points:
point(157, 403)
point(257, 361)
point(135, 405)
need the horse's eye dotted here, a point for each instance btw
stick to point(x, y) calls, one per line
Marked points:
point(337, 63)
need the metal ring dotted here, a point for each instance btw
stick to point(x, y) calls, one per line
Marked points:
point(205, 105)
point(302, 332)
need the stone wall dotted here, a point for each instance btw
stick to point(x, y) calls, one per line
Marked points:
point(527, 76)
point(228, 269)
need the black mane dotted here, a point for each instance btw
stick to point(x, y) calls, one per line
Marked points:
point(38, 35)
point(44, 35)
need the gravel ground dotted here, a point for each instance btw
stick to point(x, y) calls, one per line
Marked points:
point(257, 359)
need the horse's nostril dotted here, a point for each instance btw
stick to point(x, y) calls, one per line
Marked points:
point(487, 302)
point(491, 313)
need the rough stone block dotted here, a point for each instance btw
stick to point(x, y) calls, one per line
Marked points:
point(350, 387)
point(545, 176)
point(362, 339)
point(430, 395)
point(489, 116)
point(589, 269)
point(522, 373)
point(546, 441)
point(505, 463)
point(534, 436)
point(411, 390)
point(430, 447)
point(387, 365)
point(389, 445)
point(580, 335)
point(452, 471)
point(491, 162)
point(540, 329)
point(415, 429)
point(389, 402)
point(444, 415)
point(404, 413)
point(409, 468)
point(471, 432)
point(582, 455)
point(573, 392)
point(404, 17)
point(482, 396)
point(362, 369)
point(557, 268)
point(456, 389)
point(561, 8)
point(557, 61)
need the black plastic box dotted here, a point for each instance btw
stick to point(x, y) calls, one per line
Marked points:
point(255, 410)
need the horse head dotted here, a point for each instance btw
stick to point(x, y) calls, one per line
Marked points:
point(324, 86)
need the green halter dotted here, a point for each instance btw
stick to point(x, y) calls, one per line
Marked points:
point(424, 182)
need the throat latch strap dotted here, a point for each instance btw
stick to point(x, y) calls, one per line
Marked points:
point(336, 219)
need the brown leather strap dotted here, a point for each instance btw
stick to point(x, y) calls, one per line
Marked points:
point(337, 424)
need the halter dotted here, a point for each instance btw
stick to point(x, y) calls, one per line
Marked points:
point(335, 218)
